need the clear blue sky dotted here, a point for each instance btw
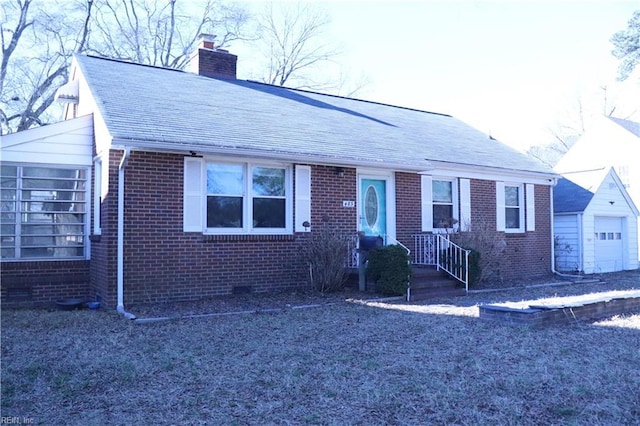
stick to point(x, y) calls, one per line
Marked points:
point(508, 68)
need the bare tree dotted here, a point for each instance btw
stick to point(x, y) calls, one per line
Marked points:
point(572, 124)
point(36, 48)
point(161, 33)
point(292, 40)
point(39, 37)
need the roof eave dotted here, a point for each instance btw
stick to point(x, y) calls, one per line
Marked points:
point(199, 150)
point(491, 173)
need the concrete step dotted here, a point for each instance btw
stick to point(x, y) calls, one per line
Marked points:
point(431, 293)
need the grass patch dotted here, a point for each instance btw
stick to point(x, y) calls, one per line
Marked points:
point(341, 363)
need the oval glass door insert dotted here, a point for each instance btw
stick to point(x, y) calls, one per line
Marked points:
point(371, 206)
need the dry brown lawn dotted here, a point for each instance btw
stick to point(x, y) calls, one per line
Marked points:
point(332, 363)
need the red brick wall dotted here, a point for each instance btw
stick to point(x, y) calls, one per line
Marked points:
point(104, 246)
point(216, 63)
point(163, 263)
point(328, 191)
point(44, 281)
point(408, 207)
point(527, 255)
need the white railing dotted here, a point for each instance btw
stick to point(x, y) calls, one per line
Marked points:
point(353, 245)
point(424, 249)
point(438, 250)
point(454, 260)
point(352, 252)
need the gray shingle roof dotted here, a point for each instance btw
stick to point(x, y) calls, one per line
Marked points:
point(569, 197)
point(629, 125)
point(191, 112)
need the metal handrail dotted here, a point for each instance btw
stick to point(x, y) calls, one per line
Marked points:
point(456, 263)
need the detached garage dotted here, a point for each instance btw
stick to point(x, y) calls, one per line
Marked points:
point(595, 224)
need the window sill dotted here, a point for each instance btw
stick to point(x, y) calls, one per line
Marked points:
point(247, 237)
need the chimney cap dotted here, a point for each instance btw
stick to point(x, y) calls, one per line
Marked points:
point(207, 41)
point(207, 37)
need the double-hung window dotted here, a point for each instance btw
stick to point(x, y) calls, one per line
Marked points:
point(512, 209)
point(446, 203)
point(43, 212)
point(444, 211)
point(514, 212)
point(248, 198)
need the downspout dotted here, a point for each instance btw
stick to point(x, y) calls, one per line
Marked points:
point(120, 254)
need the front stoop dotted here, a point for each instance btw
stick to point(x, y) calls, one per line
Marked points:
point(427, 283)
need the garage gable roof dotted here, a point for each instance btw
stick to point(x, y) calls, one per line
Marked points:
point(569, 197)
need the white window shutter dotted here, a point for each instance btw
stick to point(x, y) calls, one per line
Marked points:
point(303, 198)
point(97, 195)
point(531, 207)
point(500, 213)
point(193, 195)
point(427, 203)
point(465, 204)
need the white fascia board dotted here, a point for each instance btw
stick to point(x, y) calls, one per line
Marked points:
point(623, 191)
point(233, 152)
point(493, 174)
point(66, 126)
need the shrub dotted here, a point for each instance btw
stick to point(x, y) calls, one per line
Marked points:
point(487, 258)
point(389, 267)
point(325, 252)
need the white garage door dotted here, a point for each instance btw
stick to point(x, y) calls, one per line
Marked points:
point(608, 240)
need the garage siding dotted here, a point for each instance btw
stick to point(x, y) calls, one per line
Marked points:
point(566, 229)
point(609, 202)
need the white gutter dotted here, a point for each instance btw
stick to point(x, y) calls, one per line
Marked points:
point(120, 256)
point(304, 158)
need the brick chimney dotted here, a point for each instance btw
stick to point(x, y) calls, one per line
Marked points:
point(209, 61)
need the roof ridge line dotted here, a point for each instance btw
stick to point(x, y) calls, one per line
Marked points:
point(347, 98)
point(123, 61)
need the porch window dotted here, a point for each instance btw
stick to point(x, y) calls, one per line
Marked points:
point(248, 198)
point(43, 212)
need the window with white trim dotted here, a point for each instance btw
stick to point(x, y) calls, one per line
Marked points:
point(248, 198)
point(43, 212)
point(510, 207)
point(445, 211)
point(445, 203)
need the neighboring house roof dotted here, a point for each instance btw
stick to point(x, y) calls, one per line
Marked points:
point(569, 197)
point(631, 126)
point(574, 192)
point(156, 108)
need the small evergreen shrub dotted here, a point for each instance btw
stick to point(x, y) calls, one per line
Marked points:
point(389, 268)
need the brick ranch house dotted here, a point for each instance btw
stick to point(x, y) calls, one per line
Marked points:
point(166, 185)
